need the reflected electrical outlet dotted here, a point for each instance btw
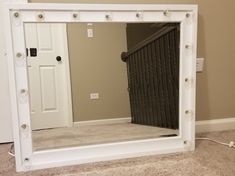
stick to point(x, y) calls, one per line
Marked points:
point(200, 64)
point(94, 96)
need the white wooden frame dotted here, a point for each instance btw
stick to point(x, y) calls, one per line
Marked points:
point(17, 14)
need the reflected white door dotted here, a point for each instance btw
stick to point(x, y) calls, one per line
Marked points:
point(49, 79)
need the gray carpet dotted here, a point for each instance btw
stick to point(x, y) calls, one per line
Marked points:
point(95, 134)
point(209, 159)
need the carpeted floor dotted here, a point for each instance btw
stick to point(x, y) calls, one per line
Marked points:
point(95, 134)
point(209, 159)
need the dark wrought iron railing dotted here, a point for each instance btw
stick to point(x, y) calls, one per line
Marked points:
point(153, 79)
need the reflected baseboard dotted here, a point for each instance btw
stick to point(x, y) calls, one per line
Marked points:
point(201, 126)
point(215, 125)
point(103, 121)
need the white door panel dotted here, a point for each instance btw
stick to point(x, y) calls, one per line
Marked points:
point(33, 97)
point(49, 90)
point(44, 35)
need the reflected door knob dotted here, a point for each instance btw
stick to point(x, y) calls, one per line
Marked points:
point(58, 58)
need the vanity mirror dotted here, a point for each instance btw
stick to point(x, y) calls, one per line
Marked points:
point(122, 78)
point(100, 82)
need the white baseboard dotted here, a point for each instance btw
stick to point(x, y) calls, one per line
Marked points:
point(201, 126)
point(215, 125)
point(103, 121)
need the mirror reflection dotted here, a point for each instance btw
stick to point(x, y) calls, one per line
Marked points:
point(95, 83)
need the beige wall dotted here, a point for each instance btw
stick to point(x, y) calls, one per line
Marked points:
point(216, 85)
point(96, 66)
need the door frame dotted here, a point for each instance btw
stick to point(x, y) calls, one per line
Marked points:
point(5, 111)
point(68, 78)
point(17, 14)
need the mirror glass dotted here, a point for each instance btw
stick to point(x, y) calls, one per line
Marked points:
point(96, 83)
